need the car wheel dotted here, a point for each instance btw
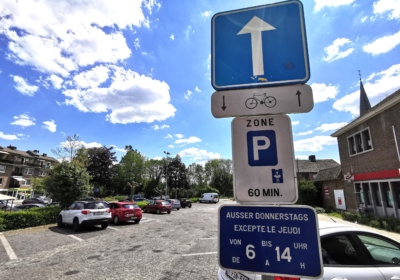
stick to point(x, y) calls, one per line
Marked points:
point(169, 212)
point(178, 209)
point(104, 225)
point(190, 206)
point(183, 206)
point(158, 211)
point(137, 221)
point(145, 210)
point(199, 201)
point(75, 225)
point(60, 224)
point(116, 220)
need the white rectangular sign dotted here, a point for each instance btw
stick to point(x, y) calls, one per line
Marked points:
point(263, 160)
point(262, 101)
point(340, 201)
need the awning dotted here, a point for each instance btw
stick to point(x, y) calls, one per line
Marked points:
point(19, 179)
point(1, 152)
point(6, 197)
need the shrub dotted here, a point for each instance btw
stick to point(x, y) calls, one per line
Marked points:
point(374, 223)
point(307, 193)
point(28, 218)
point(115, 198)
point(350, 216)
point(335, 214)
point(141, 204)
point(319, 210)
point(194, 199)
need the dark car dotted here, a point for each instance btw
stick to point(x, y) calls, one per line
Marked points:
point(185, 202)
point(27, 206)
point(35, 200)
point(158, 206)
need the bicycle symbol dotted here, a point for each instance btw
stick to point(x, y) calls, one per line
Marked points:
point(268, 101)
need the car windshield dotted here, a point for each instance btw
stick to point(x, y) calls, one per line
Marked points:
point(96, 205)
point(130, 206)
point(165, 203)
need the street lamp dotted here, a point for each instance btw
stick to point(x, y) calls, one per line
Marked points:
point(166, 175)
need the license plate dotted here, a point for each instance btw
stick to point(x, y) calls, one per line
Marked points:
point(236, 275)
point(99, 213)
point(133, 218)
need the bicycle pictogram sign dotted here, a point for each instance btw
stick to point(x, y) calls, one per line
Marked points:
point(263, 98)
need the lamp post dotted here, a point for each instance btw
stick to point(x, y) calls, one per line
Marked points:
point(166, 175)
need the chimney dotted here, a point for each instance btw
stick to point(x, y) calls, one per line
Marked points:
point(312, 158)
point(12, 147)
point(36, 151)
point(44, 155)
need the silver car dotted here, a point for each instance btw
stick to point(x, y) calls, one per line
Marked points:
point(348, 252)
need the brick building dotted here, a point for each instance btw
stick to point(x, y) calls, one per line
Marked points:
point(370, 159)
point(308, 169)
point(17, 168)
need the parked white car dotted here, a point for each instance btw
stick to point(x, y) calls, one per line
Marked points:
point(209, 197)
point(85, 213)
point(348, 252)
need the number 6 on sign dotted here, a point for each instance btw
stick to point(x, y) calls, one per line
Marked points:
point(285, 255)
point(249, 252)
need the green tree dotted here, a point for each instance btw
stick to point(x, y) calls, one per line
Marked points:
point(220, 175)
point(177, 177)
point(66, 183)
point(132, 168)
point(68, 149)
point(81, 157)
point(38, 185)
point(307, 193)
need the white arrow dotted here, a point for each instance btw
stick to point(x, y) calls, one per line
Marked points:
point(255, 26)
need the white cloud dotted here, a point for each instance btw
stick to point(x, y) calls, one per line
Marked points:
point(388, 6)
point(314, 144)
point(197, 89)
point(206, 14)
point(50, 125)
point(322, 92)
point(364, 19)
point(83, 144)
point(92, 78)
point(23, 120)
point(382, 83)
point(189, 30)
point(136, 43)
point(130, 98)
point(320, 4)
point(23, 87)
point(171, 146)
point(383, 44)
point(156, 127)
point(168, 136)
point(59, 37)
point(330, 126)
point(305, 133)
point(333, 51)
point(172, 37)
point(188, 94)
point(295, 122)
point(118, 149)
point(198, 155)
point(56, 81)
point(179, 136)
point(190, 140)
point(8, 136)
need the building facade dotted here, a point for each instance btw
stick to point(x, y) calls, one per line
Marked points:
point(18, 168)
point(369, 155)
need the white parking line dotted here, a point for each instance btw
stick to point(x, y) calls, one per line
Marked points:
point(75, 237)
point(10, 252)
point(199, 254)
point(113, 228)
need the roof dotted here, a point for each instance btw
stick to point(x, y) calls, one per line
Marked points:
point(386, 103)
point(364, 101)
point(6, 197)
point(27, 154)
point(303, 165)
point(332, 173)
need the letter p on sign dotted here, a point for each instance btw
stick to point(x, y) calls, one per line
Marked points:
point(261, 148)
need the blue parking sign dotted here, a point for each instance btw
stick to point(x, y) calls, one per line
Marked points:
point(261, 148)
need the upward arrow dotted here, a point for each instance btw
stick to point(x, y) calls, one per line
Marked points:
point(255, 26)
point(298, 93)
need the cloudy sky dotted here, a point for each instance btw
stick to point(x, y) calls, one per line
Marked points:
point(138, 73)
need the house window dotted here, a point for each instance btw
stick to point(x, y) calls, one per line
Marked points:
point(1, 181)
point(48, 163)
point(360, 142)
point(27, 183)
point(41, 163)
point(2, 169)
point(42, 173)
point(28, 171)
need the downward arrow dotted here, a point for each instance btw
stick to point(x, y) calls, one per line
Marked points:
point(223, 103)
point(255, 26)
point(298, 96)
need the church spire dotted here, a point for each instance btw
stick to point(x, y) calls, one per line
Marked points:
point(364, 101)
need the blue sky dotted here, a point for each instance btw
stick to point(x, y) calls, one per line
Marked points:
point(138, 73)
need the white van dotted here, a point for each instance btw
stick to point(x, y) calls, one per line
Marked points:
point(209, 197)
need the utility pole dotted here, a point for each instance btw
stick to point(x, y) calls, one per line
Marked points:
point(166, 175)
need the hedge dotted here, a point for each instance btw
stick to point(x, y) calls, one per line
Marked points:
point(194, 199)
point(28, 218)
point(386, 223)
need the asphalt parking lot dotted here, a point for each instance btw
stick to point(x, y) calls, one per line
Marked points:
point(181, 245)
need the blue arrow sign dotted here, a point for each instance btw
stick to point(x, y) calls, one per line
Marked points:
point(259, 46)
point(275, 240)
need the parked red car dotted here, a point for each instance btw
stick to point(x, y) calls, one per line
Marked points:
point(125, 212)
point(158, 206)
